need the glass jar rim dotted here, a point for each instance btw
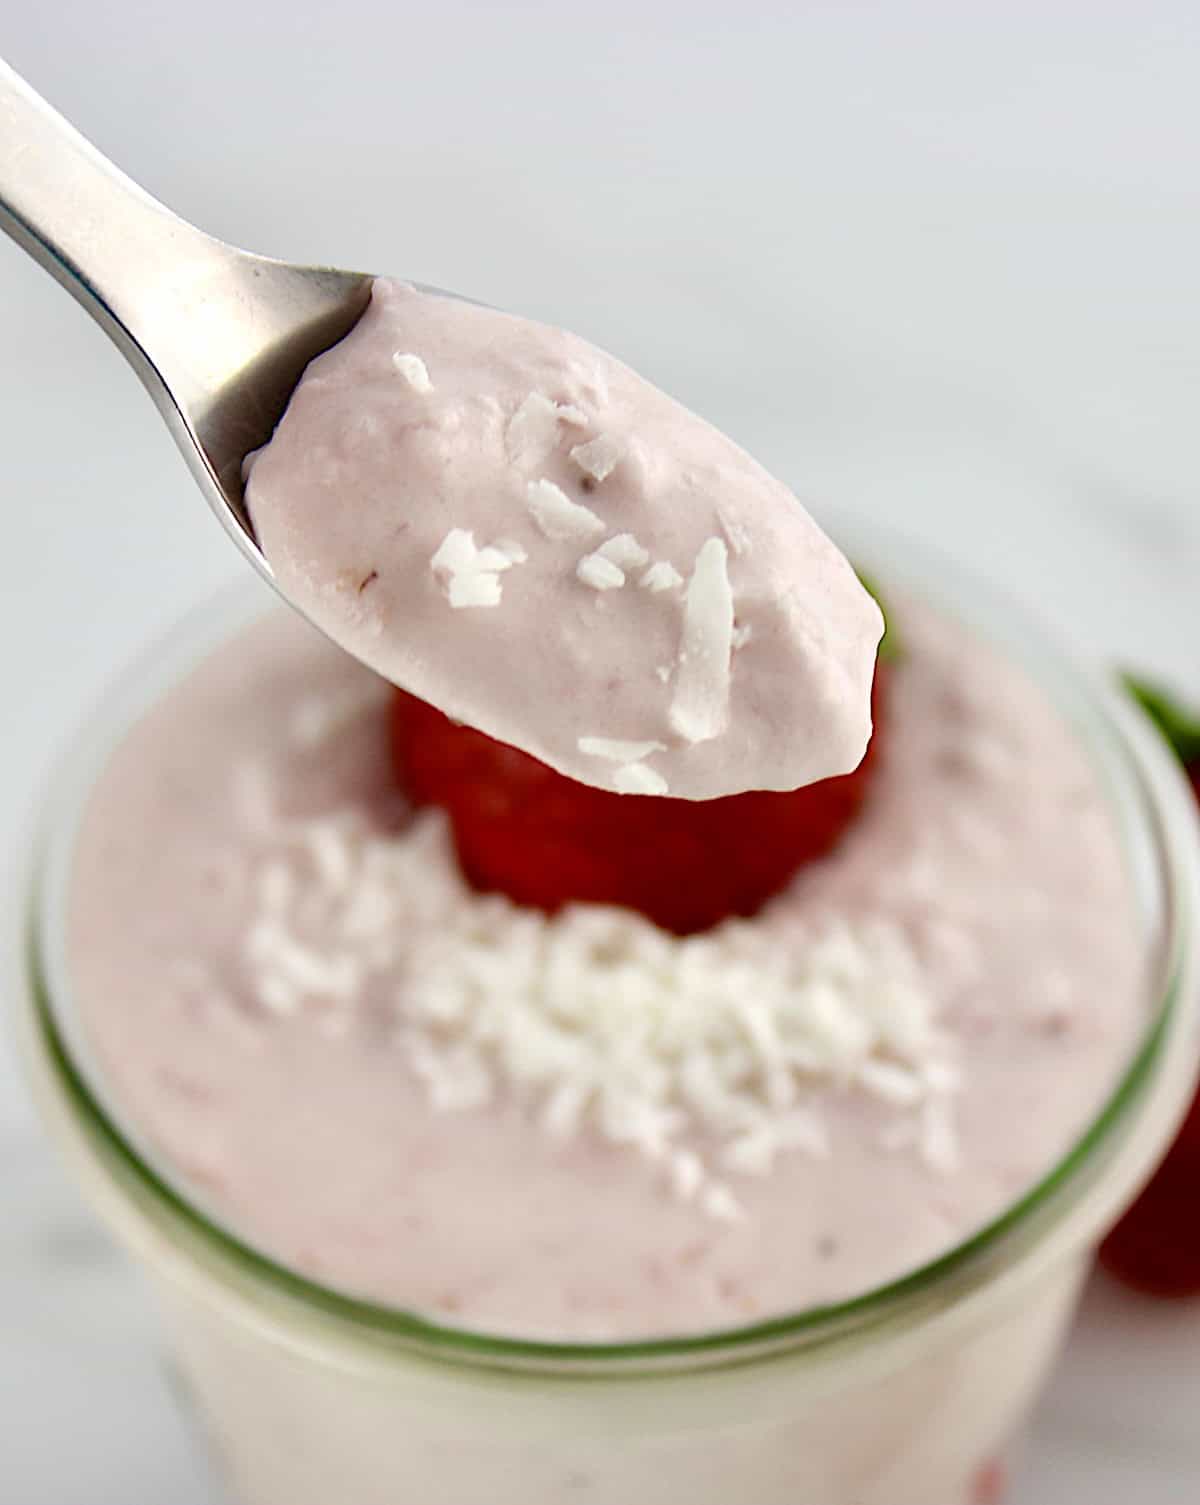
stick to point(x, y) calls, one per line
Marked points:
point(1152, 780)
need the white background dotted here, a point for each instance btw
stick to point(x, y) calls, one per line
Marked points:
point(933, 262)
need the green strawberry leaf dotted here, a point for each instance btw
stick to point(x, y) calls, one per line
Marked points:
point(1178, 724)
point(890, 648)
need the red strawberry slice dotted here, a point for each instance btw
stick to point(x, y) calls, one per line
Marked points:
point(545, 840)
point(1155, 1248)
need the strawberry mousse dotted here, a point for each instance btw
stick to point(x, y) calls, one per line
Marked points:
point(518, 529)
point(334, 970)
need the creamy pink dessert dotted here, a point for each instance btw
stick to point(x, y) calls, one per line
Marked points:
point(579, 1126)
point(519, 529)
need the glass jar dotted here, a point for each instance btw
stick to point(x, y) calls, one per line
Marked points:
point(898, 1397)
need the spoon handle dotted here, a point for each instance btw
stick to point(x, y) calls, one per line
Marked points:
point(219, 336)
point(115, 249)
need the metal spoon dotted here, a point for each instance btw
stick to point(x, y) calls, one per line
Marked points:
point(218, 336)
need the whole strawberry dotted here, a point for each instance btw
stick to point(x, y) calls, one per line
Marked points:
point(545, 840)
point(1155, 1247)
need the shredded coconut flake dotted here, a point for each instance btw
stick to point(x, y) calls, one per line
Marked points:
point(533, 428)
point(494, 559)
point(532, 431)
point(598, 457)
point(413, 369)
point(470, 575)
point(516, 552)
point(617, 750)
point(700, 702)
point(720, 1203)
point(741, 636)
point(557, 515)
point(892, 1083)
point(661, 576)
point(624, 551)
point(600, 573)
point(473, 590)
point(638, 778)
point(685, 1170)
point(456, 553)
point(707, 1055)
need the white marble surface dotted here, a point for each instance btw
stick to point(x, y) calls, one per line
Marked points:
point(932, 260)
